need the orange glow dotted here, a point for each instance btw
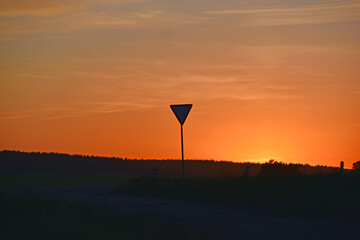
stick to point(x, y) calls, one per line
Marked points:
point(271, 80)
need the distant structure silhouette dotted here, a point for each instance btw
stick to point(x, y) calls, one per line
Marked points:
point(342, 167)
point(356, 166)
point(247, 171)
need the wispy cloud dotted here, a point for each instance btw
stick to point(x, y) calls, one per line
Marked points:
point(148, 14)
point(42, 16)
point(46, 8)
point(311, 14)
point(39, 8)
point(60, 111)
point(112, 107)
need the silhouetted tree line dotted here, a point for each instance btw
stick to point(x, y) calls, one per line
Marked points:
point(59, 163)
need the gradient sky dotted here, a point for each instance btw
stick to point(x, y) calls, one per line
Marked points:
point(268, 78)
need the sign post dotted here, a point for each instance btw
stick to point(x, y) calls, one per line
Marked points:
point(181, 112)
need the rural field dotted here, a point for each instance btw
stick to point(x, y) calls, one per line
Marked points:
point(46, 216)
point(41, 180)
point(45, 206)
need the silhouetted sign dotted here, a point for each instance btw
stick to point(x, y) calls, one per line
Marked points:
point(181, 111)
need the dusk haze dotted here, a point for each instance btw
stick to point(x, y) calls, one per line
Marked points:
point(268, 79)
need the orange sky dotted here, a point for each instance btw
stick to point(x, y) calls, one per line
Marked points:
point(268, 79)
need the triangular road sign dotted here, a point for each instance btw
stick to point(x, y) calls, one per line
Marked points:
point(181, 111)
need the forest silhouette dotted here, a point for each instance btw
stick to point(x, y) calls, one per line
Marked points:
point(60, 163)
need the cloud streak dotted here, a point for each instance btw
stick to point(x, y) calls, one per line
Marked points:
point(59, 16)
point(38, 8)
point(47, 17)
point(311, 14)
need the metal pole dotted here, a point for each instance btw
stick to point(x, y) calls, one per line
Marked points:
point(182, 154)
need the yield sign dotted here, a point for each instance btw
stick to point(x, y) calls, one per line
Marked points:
point(181, 111)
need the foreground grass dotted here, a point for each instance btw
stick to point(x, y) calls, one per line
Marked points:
point(325, 195)
point(32, 180)
point(24, 218)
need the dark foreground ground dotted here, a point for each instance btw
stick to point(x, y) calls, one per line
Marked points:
point(166, 218)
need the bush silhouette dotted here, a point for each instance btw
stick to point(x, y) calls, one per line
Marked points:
point(274, 168)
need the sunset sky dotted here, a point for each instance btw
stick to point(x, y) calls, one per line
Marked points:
point(267, 79)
